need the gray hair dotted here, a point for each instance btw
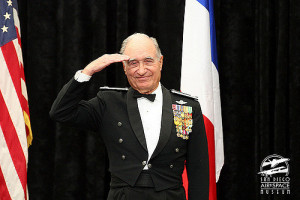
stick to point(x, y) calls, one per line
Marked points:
point(129, 38)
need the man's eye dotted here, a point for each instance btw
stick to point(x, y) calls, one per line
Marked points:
point(148, 61)
point(133, 63)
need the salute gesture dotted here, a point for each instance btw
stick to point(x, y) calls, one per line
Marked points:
point(102, 62)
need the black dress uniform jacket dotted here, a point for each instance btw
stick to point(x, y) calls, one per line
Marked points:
point(115, 115)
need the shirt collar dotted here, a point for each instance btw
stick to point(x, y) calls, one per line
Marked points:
point(158, 93)
point(157, 90)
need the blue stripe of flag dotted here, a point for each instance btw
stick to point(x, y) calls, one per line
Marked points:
point(209, 5)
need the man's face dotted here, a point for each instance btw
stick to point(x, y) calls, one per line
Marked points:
point(143, 70)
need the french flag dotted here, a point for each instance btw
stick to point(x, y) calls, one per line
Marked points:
point(200, 77)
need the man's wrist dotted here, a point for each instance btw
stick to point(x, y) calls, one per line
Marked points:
point(87, 71)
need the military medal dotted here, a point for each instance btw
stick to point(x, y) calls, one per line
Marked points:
point(183, 120)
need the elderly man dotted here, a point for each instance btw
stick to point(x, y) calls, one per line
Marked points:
point(150, 133)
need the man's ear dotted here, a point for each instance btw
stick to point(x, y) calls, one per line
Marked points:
point(161, 62)
point(124, 66)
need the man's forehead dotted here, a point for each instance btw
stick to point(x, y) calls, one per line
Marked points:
point(140, 44)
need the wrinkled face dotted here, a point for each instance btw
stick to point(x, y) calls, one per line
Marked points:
point(143, 70)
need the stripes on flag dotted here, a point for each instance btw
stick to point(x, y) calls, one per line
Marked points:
point(200, 77)
point(15, 128)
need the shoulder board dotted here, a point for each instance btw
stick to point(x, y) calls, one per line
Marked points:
point(184, 94)
point(113, 88)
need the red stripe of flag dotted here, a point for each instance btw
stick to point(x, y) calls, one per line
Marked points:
point(4, 194)
point(18, 36)
point(13, 143)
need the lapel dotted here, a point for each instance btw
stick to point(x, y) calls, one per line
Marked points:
point(135, 118)
point(166, 122)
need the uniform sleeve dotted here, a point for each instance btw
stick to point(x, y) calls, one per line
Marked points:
point(69, 107)
point(197, 159)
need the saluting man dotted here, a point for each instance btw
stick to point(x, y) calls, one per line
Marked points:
point(150, 132)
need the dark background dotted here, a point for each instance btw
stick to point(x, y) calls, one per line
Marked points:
point(258, 54)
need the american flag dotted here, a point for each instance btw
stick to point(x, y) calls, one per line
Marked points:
point(15, 129)
point(200, 77)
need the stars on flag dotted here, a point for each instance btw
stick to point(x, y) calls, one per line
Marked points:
point(7, 16)
point(4, 28)
point(9, 2)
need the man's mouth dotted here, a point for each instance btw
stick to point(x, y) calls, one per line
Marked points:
point(143, 78)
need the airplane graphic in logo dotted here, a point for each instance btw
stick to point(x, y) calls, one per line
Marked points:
point(275, 162)
point(274, 171)
point(268, 166)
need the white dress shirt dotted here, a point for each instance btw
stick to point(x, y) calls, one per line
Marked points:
point(150, 113)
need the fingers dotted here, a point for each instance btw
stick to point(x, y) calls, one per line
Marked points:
point(118, 57)
point(104, 61)
point(108, 59)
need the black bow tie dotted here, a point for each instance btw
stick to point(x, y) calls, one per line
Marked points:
point(150, 97)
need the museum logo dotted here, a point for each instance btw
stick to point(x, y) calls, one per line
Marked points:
point(274, 175)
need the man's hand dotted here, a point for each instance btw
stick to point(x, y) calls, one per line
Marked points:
point(102, 62)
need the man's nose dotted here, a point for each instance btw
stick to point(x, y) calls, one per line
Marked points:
point(142, 69)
